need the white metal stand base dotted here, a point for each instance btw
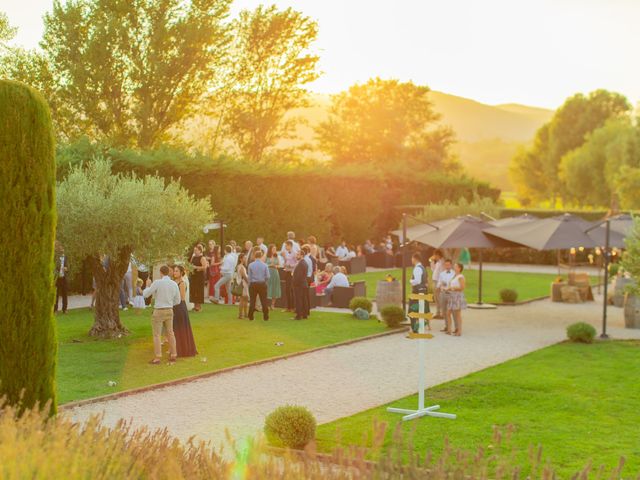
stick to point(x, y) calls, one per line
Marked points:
point(481, 306)
point(425, 412)
point(422, 411)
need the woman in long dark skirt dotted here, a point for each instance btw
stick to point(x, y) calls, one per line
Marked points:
point(185, 344)
point(196, 281)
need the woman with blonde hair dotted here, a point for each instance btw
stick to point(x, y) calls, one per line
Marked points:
point(240, 287)
point(456, 301)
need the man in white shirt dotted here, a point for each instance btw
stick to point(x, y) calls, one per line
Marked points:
point(260, 244)
point(342, 252)
point(444, 279)
point(291, 236)
point(437, 264)
point(227, 269)
point(339, 279)
point(418, 285)
point(166, 294)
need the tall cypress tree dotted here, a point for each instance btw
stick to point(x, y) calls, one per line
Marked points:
point(27, 231)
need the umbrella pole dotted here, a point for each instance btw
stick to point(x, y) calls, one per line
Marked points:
point(606, 282)
point(480, 277)
point(480, 304)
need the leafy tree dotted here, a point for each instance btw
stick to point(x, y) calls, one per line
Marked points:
point(270, 62)
point(594, 172)
point(567, 130)
point(101, 214)
point(7, 32)
point(130, 70)
point(27, 188)
point(383, 122)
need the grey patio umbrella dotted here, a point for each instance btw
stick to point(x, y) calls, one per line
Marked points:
point(415, 231)
point(554, 233)
point(621, 223)
point(464, 232)
point(599, 236)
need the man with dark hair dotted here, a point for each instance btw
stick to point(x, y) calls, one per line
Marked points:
point(258, 278)
point(60, 273)
point(444, 279)
point(418, 285)
point(166, 294)
point(301, 288)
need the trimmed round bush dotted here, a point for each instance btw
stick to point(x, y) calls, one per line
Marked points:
point(392, 315)
point(581, 332)
point(290, 426)
point(27, 183)
point(361, 302)
point(361, 314)
point(508, 295)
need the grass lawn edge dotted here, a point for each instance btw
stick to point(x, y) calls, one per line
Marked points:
point(200, 376)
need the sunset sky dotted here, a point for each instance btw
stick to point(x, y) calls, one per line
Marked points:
point(535, 52)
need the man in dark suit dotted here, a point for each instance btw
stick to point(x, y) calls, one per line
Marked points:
point(60, 273)
point(301, 288)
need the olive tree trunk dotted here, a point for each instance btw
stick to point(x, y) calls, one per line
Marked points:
point(106, 322)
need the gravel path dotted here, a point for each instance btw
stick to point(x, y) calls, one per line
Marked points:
point(341, 381)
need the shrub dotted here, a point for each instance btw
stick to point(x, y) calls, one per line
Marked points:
point(581, 332)
point(392, 315)
point(361, 302)
point(27, 183)
point(614, 268)
point(290, 426)
point(508, 295)
point(361, 314)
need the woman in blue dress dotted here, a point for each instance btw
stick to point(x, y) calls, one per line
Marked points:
point(274, 292)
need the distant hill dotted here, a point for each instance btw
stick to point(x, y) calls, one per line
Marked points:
point(488, 135)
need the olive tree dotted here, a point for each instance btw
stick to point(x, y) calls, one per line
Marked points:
point(106, 217)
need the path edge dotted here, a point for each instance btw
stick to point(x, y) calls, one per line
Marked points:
point(201, 376)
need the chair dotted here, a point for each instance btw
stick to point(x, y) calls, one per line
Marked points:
point(354, 265)
point(341, 296)
point(379, 260)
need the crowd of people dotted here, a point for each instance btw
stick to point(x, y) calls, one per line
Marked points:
point(256, 276)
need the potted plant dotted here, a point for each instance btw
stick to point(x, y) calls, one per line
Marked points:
point(631, 264)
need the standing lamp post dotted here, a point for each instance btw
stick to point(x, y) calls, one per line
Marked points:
point(404, 265)
point(606, 257)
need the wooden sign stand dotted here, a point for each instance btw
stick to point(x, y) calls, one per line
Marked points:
point(422, 337)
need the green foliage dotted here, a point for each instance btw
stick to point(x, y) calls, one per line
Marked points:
point(386, 123)
point(270, 63)
point(290, 426)
point(614, 268)
point(7, 32)
point(460, 207)
point(508, 295)
point(346, 202)
point(116, 215)
point(392, 315)
point(536, 171)
point(27, 188)
point(631, 257)
point(600, 171)
point(361, 302)
point(581, 332)
point(129, 71)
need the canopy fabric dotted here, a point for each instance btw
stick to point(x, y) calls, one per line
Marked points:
point(599, 236)
point(461, 232)
point(503, 222)
point(554, 233)
point(415, 231)
point(621, 223)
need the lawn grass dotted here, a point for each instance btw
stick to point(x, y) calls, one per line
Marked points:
point(580, 402)
point(85, 364)
point(528, 285)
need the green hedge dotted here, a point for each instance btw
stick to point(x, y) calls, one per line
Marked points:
point(268, 200)
point(589, 215)
point(27, 182)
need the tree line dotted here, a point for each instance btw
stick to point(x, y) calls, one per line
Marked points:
point(141, 74)
point(587, 155)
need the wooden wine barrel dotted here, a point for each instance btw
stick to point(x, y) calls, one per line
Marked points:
point(619, 289)
point(388, 293)
point(632, 312)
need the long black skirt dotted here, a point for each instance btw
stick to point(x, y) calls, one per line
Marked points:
point(185, 343)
